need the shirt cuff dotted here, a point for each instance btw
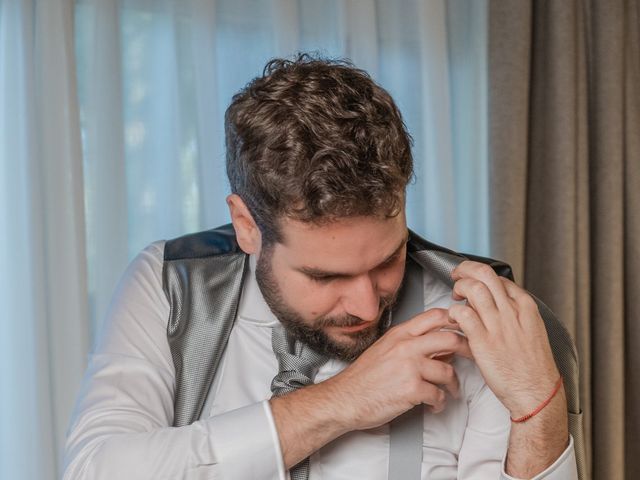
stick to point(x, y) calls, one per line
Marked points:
point(564, 468)
point(246, 444)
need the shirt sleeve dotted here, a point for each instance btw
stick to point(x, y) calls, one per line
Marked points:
point(121, 425)
point(564, 468)
point(486, 435)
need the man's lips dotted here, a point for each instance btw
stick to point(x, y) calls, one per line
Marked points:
point(354, 328)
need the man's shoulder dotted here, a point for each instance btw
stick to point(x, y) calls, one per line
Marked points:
point(208, 243)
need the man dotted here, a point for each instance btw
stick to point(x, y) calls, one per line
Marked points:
point(318, 160)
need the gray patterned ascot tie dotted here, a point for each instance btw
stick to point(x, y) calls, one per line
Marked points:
point(298, 365)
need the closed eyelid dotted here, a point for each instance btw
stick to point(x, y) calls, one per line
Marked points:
point(390, 260)
point(325, 278)
point(330, 277)
point(319, 276)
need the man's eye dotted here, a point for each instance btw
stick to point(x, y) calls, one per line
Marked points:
point(390, 262)
point(322, 278)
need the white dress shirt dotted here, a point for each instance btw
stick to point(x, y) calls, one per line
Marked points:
point(121, 426)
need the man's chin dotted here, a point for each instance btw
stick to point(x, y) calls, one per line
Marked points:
point(352, 343)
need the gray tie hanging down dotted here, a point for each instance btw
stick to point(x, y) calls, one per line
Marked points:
point(406, 431)
point(298, 365)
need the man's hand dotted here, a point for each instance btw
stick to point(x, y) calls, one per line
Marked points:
point(397, 372)
point(509, 343)
point(401, 370)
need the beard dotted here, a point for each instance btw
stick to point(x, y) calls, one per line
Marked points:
point(314, 335)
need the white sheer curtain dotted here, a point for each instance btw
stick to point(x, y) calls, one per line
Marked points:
point(156, 76)
point(153, 80)
point(44, 319)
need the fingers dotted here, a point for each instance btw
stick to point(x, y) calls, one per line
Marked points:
point(442, 374)
point(468, 320)
point(528, 315)
point(437, 344)
point(521, 297)
point(478, 296)
point(432, 319)
point(483, 273)
point(429, 394)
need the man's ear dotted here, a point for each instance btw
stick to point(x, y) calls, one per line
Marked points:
point(247, 231)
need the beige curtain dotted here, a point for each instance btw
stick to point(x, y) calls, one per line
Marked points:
point(564, 107)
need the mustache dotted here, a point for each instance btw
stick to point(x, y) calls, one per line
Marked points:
point(386, 303)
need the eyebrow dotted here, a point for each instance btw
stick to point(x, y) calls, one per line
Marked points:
point(316, 272)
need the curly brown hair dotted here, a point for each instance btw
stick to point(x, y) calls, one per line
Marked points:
point(315, 140)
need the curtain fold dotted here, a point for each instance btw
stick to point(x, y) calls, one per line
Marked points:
point(105, 196)
point(43, 293)
point(564, 108)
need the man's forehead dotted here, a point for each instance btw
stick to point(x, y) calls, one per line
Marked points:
point(355, 241)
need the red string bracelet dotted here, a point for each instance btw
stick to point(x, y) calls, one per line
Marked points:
point(526, 417)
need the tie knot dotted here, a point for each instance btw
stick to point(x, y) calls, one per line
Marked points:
point(297, 363)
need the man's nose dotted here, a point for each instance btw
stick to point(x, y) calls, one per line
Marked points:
point(361, 298)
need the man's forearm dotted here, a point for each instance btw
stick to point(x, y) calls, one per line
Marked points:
point(306, 420)
point(535, 444)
